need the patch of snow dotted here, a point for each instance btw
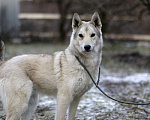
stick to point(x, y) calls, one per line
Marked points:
point(46, 101)
point(134, 78)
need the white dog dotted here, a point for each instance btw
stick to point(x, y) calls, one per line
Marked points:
point(23, 77)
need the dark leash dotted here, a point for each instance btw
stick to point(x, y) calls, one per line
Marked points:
point(97, 86)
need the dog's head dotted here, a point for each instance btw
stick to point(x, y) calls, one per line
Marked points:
point(87, 36)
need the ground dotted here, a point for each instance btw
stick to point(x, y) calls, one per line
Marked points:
point(124, 75)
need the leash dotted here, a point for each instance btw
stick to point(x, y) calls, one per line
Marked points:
point(96, 84)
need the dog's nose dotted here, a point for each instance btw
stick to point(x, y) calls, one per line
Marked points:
point(87, 48)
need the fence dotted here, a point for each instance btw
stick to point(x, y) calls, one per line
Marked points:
point(57, 16)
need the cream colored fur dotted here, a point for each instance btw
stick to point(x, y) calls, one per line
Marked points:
point(23, 77)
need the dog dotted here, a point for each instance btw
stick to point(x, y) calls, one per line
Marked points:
point(24, 77)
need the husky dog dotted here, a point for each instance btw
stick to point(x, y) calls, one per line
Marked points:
point(23, 78)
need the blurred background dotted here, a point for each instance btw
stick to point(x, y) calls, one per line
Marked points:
point(44, 26)
point(50, 20)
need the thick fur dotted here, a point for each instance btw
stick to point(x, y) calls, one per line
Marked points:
point(23, 77)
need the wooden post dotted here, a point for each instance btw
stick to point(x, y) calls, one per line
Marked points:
point(9, 23)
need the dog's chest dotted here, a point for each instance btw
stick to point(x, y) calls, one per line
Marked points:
point(82, 83)
point(81, 86)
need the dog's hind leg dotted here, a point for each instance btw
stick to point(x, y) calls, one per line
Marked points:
point(31, 107)
point(16, 94)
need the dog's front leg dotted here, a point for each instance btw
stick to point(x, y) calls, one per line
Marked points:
point(63, 101)
point(73, 108)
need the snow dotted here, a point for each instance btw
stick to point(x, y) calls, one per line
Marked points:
point(133, 78)
point(46, 101)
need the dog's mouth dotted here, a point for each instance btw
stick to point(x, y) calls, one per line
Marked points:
point(87, 51)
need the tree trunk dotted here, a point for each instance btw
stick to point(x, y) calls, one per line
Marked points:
point(63, 7)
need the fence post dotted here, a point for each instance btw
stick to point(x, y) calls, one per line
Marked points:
point(9, 22)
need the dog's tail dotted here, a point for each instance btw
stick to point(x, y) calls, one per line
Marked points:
point(2, 50)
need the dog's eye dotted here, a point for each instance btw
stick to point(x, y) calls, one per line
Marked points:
point(80, 35)
point(93, 34)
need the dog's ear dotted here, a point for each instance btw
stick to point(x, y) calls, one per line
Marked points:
point(76, 21)
point(96, 21)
